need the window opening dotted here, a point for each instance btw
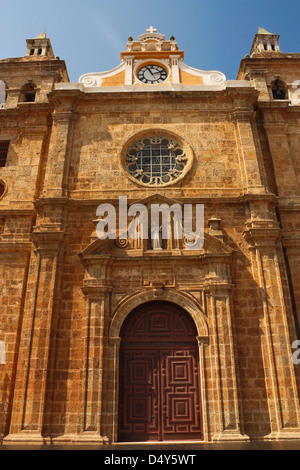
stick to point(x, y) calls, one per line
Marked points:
point(3, 153)
point(156, 160)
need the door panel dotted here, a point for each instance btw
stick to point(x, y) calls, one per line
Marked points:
point(180, 395)
point(159, 376)
point(139, 400)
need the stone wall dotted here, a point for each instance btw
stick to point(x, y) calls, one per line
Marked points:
point(65, 294)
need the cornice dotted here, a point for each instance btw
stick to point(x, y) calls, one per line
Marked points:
point(267, 198)
point(48, 241)
point(96, 290)
point(16, 212)
point(154, 54)
point(17, 246)
point(25, 110)
point(262, 237)
point(48, 201)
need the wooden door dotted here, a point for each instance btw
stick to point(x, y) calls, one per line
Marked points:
point(159, 376)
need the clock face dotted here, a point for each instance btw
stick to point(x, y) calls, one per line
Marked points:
point(152, 74)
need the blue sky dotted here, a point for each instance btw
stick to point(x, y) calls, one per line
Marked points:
point(90, 34)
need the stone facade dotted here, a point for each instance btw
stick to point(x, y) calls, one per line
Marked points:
point(65, 294)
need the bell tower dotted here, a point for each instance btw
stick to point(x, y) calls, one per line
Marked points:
point(39, 47)
point(265, 42)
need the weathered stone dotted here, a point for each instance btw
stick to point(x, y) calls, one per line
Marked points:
point(65, 294)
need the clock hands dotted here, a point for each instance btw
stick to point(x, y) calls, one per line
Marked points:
point(152, 74)
point(149, 69)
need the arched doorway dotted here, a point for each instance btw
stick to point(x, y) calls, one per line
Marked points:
point(159, 392)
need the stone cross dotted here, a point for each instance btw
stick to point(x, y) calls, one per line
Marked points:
point(151, 30)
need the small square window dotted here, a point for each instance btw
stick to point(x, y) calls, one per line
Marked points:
point(3, 153)
point(29, 97)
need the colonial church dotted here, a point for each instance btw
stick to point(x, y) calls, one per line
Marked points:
point(123, 339)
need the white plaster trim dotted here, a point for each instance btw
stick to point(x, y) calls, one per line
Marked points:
point(152, 88)
point(70, 86)
point(139, 88)
point(210, 77)
point(238, 84)
point(152, 36)
point(95, 79)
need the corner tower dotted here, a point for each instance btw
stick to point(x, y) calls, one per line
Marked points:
point(265, 42)
point(275, 74)
point(39, 47)
point(29, 79)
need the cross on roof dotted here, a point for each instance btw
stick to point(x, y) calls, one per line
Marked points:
point(151, 30)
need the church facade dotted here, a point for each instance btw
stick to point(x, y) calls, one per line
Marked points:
point(149, 338)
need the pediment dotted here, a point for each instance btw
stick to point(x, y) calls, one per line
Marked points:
point(157, 199)
point(124, 248)
point(214, 246)
point(97, 248)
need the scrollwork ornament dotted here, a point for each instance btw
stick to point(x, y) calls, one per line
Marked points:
point(89, 81)
point(122, 242)
point(217, 79)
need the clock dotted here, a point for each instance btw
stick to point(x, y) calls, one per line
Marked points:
point(152, 74)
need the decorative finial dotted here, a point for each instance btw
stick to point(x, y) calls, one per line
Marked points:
point(130, 39)
point(172, 38)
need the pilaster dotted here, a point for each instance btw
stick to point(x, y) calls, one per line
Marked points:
point(97, 301)
point(27, 417)
point(264, 240)
point(228, 422)
point(251, 165)
point(60, 148)
point(284, 169)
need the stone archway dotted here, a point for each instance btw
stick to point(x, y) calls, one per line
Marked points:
point(184, 302)
point(159, 378)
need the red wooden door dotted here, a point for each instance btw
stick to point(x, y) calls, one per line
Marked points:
point(159, 376)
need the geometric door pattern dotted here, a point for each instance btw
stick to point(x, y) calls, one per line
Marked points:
point(159, 396)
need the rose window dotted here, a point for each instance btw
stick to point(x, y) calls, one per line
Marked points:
point(156, 160)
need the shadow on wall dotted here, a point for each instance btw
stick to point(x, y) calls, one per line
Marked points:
point(3, 407)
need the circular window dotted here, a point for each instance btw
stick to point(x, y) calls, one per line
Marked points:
point(156, 160)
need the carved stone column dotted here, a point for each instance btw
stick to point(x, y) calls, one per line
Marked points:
point(258, 78)
point(280, 380)
point(113, 405)
point(282, 155)
point(251, 165)
point(31, 376)
point(292, 247)
point(227, 420)
point(97, 297)
point(203, 344)
point(57, 170)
